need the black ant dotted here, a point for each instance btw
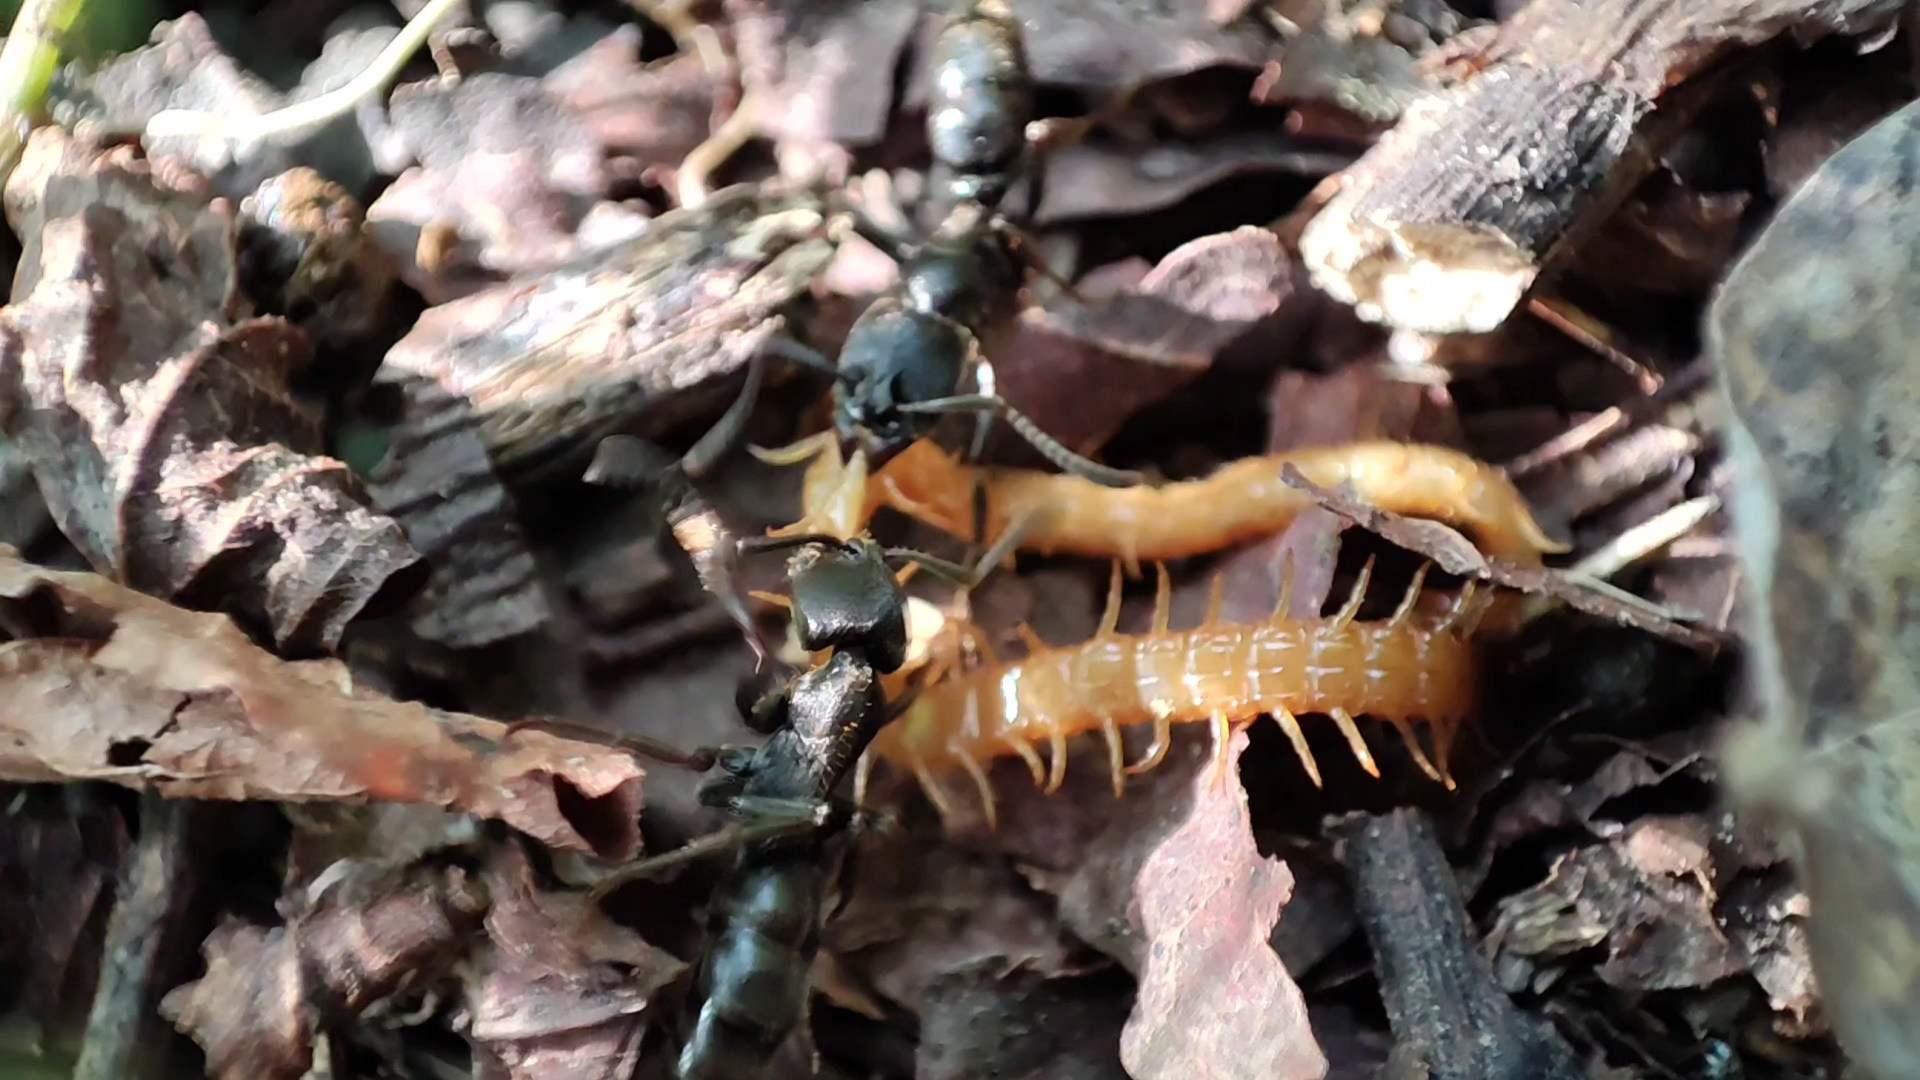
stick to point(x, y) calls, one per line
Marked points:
point(909, 358)
point(753, 981)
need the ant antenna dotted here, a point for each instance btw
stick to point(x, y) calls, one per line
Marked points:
point(1050, 448)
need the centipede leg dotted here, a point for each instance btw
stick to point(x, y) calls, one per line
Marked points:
point(1057, 763)
point(1284, 604)
point(862, 774)
point(987, 805)
point(1162, 599)
point(1116, 755)
point(1419, 753)
point(1034, 642)
point(1343, 720)
point(1407, 603)
point(1215, 596)
point(1031, 756)
point(1344, 617)
point(1110, 617)
point(1291, 725)
point(1222, 748)
point(1462, 605)
point(1157, 752)
point(936, 795)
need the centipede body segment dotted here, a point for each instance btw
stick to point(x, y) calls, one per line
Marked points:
point(1417, 665)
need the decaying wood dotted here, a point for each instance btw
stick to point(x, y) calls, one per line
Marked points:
point(1813, 331)
point(514, 380)
point(156, 887)
point(1447, 222)
point(1449, 1017)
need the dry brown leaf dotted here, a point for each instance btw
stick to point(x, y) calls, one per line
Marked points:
point(101, 682)
point(156, 412)
point(563, 993)
point(1081, 369)
point(368, 932)
point(1455, 554)
point(1215, 1001)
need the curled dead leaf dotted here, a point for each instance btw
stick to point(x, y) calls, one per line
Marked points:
point(101, 682)
point(156, 412)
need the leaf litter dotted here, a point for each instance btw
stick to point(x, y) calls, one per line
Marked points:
point(526, 187)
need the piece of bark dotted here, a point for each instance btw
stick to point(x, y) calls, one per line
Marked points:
point(1446, 223)
point(157, 885)
point(525, 376)
point(366, 931)
point(1450, 1020)
point(1812, 331)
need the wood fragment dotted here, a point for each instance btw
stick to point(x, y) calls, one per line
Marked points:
point(156, 888)
point(1446, 223)
point(1450, 1019)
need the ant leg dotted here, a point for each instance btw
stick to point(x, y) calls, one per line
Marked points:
point(696, 760)
point(724, 437)
point(805, 355)
point(623, 461)
point(1049, 447)
point(892, 245)
point(729, 838)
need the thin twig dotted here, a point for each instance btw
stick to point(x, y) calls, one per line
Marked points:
point(326, 107)
point(27, 61)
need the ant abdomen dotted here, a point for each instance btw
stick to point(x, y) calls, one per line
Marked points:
point(981, 101)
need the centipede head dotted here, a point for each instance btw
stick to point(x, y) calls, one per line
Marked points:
point(846, 597)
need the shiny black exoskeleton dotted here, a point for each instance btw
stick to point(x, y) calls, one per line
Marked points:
point(914, 357)
point(765, 919)
point(981, 104)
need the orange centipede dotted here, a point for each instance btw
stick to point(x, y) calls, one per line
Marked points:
point(1416, 665)
point(1059, 513)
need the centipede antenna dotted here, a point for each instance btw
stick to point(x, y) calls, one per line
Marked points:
point(1116, 755)
point(1407, 602)
point(987, 804)
point(1290, 724)
point(1344, 617)
point(796, 452)
point(624, 461)
point(1157, 750)
point(1028, 754)
point(1162, 599)
point(1049, 447)
point(724, 436)
point(1110, 616)
point(1343, 720)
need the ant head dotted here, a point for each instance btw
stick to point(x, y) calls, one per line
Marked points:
point(893, 356)
point(846, 597)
